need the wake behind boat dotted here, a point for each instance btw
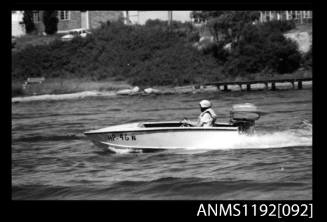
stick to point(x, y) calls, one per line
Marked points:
point(154, 136)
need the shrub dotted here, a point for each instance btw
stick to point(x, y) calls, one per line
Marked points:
point(285, 57)
point(139, 54)
point(307, 60)
point(174, 65)
point(208, 47)
point(263, 48)
point(278, 26)
point(220, 53)
point(17, 90)
point(156, 23)
point(194, 37)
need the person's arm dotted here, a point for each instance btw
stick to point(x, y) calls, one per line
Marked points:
point(205, 120)
point(193, 123)
point(190, 123)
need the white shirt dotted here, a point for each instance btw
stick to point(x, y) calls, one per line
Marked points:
point(207, 118)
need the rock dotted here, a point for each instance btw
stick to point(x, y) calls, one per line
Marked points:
point(151, 90)
point(124, 92)
point(135, 90)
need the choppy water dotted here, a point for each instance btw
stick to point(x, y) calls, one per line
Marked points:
point(51, 159)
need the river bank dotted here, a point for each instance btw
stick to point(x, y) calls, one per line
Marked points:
point(77, 85)
point(110, 89)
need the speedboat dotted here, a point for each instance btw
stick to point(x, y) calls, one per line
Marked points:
point(166, 135)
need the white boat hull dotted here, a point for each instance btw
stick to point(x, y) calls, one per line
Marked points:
point(151, 139)
point(148, 136)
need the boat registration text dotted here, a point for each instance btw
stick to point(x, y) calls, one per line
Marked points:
point(124, 137)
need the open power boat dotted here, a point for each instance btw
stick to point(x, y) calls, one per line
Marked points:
point(154, 136)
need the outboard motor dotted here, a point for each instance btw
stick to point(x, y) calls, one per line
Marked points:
point(244, 116)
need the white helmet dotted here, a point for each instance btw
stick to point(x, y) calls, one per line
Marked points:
point(205, 104)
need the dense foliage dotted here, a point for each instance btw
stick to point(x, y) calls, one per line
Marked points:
point(262, 49)
point(140, 54)
point(158, 54)
point(230, 24)
point(255, 47)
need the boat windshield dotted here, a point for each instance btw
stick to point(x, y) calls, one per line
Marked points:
point(164, 124)
point(176, 124)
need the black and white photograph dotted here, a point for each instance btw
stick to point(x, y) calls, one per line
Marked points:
point(161, 105)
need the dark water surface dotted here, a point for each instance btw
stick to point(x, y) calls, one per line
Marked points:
point(51, 158)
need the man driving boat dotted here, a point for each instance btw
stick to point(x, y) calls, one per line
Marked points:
point(206, 118)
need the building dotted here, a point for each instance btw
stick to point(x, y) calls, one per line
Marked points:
point(71, 20)
point(141, 17)
point(17, 28)
point(298, 16)
point(265, 16)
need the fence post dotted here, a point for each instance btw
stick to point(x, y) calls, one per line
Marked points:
point(299, 84)
point(248, 87)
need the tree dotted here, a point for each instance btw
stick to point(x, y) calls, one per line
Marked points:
point(226, 25)
point(230, 24)
point(263, 49)
point(28, 21)
point(50, 22)
point(205, 15)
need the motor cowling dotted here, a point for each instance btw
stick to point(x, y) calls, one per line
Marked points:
point(244, 116)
